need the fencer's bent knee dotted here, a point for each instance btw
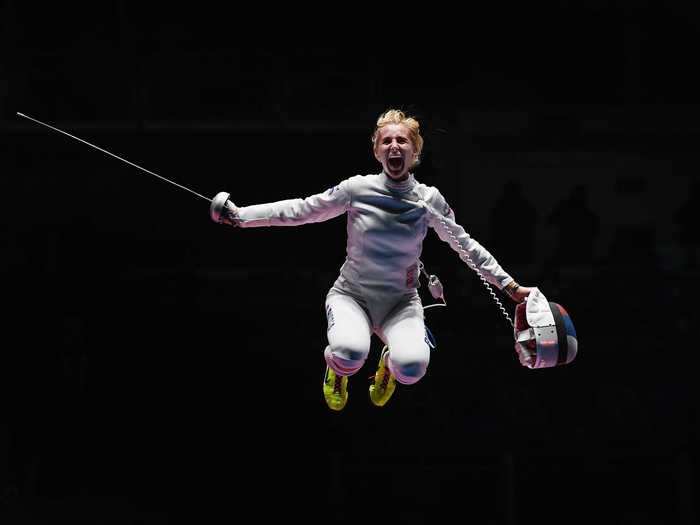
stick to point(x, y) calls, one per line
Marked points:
point(345, 359)
point(409, 371)
point(350, 353)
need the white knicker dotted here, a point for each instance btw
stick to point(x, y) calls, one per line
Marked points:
point(396, 319)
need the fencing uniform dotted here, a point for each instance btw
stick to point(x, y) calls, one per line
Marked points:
point(376, 289)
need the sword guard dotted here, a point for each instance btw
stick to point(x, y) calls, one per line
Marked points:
point(218, 209)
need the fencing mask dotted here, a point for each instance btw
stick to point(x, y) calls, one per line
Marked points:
point(544, 333)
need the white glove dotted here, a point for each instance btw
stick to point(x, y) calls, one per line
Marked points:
point(223, 211)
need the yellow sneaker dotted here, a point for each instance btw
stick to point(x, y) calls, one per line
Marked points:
point(383, 382)
point(335, 389)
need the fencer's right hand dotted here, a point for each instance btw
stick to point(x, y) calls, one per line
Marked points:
point(230, 214)
point(223, 211)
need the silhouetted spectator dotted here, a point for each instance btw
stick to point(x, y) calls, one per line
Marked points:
point(633, 252)
point(577, 228)
point(686, 218)
point(634, 240)
point(513, 217)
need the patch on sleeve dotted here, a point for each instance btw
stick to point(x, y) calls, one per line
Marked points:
point(332, 190)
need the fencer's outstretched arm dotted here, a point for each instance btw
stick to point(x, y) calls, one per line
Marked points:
point(290, 212)
point(442, 220)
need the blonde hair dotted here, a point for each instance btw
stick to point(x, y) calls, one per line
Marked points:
point(396, 116)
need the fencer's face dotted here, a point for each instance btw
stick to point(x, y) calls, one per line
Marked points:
point(395, 150)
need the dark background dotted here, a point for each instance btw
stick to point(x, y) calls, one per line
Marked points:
point(158, 368)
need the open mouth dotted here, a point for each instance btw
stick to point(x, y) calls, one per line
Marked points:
point(395, 163)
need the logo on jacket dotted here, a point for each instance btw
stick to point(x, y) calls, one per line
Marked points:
point(411, 274)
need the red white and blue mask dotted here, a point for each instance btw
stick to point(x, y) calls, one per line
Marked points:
point(544, 332)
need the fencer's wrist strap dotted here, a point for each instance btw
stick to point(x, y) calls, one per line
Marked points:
point(511, 287)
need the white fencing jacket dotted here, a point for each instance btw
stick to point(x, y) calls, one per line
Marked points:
point(386, 224)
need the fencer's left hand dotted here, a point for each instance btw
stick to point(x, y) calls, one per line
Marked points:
point(521, 294)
